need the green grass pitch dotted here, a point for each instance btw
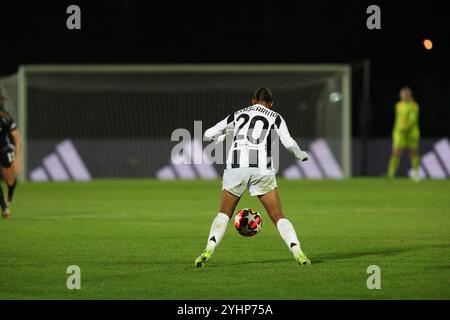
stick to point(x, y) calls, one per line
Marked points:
point(137, 239)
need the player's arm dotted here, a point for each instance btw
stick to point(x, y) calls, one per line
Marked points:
point(217, 132)
point(287, 141)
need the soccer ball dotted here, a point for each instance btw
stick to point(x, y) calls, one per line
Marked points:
point(248, 222)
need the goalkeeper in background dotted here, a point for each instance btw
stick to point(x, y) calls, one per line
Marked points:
point(10, 145)
point(406, 133)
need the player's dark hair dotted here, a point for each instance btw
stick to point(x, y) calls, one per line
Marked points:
point(406, 88)
point(263, 94)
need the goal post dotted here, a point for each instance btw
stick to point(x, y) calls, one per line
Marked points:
point(22, 120)
point(314, 99)
point(347, 122)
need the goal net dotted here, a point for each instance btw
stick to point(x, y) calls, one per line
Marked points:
point(83, 122)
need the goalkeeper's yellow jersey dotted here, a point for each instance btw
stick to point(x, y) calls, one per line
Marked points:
point(406, 116)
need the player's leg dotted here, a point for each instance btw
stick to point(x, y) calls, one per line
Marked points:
point(413, 147)
point(228, 204)
point(398, 141)
point(415, 163)
point(234, 184)
point(219, 225)
point(4, 206)
point(11, 181)
point(272, 203)
point(5, 210)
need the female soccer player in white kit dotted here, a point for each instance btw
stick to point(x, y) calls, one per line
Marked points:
point(249, 165)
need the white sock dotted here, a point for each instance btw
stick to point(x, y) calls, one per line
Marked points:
point(218, 227)
point(289, 236)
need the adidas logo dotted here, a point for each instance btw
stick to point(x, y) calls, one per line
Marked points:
point(63, 165)
point(188, 171)
point(321, 164)
point(435, 164)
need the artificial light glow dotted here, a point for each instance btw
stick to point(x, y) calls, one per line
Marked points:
point(428, 44)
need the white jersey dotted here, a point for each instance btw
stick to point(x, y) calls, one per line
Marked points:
point(251, 129)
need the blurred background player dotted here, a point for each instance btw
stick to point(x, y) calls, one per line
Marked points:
point(9, 156)
point(406, 133)
point(250, 165)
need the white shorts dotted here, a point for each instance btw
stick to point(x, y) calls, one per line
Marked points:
point(237, 180)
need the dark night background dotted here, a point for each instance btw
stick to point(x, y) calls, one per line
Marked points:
point(324, 31)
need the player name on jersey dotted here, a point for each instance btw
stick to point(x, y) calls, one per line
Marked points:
point(263, 110)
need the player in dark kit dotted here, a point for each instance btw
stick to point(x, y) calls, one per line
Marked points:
point(10, 145)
